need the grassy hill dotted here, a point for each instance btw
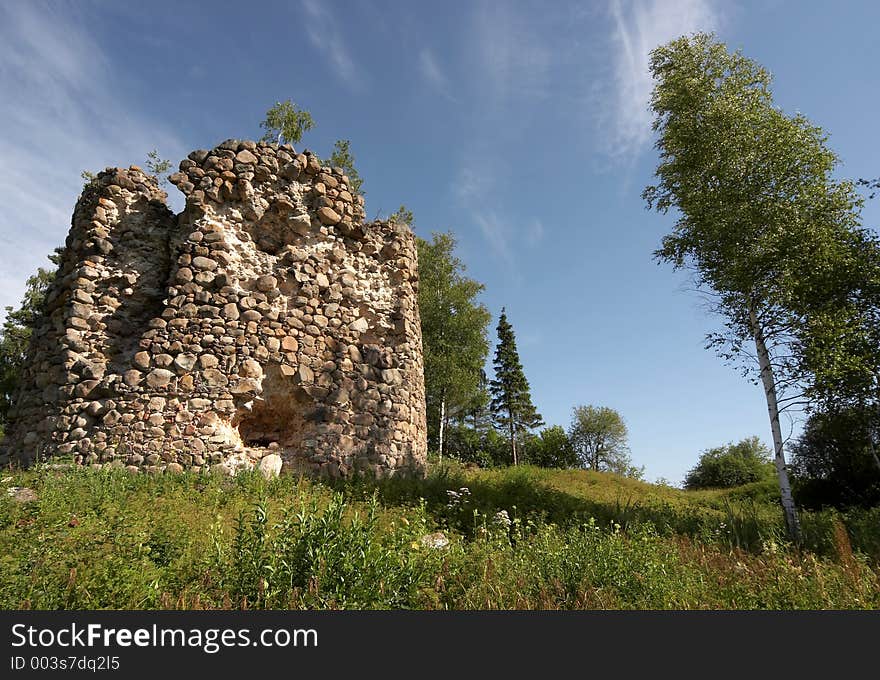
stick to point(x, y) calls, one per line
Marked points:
point(461, 539)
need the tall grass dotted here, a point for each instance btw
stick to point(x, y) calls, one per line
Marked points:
point(516, 538)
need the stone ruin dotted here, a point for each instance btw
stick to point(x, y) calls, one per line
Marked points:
point(265, 324)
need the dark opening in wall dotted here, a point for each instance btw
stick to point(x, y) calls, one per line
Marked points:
point(282, 414)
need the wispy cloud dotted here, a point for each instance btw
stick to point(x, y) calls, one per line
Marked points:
point(476, 191)
point(639, 27)
point(322, 29)
point(471, 184)
point(535, 232)
point(433, 74)
point(511, 60)
point(497, 234)
point(59, 115)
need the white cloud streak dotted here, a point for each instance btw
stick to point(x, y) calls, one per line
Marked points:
point(639, 27)
point(59, 114)
point(510, 58)
point(476, 192)
point(535, 232)
point(321, 27)
point(433, 74)
point(497, 234)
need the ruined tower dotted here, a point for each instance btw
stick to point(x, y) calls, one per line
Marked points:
point(266, 319)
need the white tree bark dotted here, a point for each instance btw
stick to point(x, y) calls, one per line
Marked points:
point(769, 383)
point(442, 424)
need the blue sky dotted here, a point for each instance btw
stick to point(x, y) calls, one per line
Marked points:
point(522, 127)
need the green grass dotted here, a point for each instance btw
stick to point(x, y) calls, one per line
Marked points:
point(572, 539)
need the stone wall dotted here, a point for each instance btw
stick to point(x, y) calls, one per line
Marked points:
point(267, 318)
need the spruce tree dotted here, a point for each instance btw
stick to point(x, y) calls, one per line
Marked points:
point(511, 404)
point(15, 334)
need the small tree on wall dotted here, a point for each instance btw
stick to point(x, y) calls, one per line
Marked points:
point(285, 120)
point(343, 157)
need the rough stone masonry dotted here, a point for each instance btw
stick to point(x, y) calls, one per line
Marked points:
point(266, 323)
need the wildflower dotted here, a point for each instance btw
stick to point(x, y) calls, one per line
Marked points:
point(501, 518)
point(436, 540)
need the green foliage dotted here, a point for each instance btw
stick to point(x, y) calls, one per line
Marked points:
point(15, 334)
point(771, 236)
point(834, 460)
point(469, 445)
point(731, 465)
point(323, 558)
point(158, 166)
point(403, 215)
point(88, 176)
point(551, 448)
point(454, 330)
point(520, 538)
point(599, 437)
point(343, 158)
point(767, 230)
point(285, 120)
point(871, 184)
point(511, 403)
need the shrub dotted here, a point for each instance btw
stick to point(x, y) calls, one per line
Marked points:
point(731, 465)
point(551, 448)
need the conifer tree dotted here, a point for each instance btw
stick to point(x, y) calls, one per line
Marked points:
point(15, 334)
point(511, 405)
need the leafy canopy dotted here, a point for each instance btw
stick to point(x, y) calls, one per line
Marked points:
point(600, 440)
point(551, 448)
point(158, 166)
point(285, 120)
point(833, 461)
point(731, 465)
point(454, 328)
point(343, 158)
point(761, 222)
point(403, 215)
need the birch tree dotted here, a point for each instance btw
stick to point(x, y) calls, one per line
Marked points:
point(455, 333)
point(767, 232)
point(285, 121)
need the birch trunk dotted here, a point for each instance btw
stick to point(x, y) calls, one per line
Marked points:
point(769, 383)
point(442, 425)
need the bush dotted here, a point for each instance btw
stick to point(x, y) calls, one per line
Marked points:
point(832, 462)
point(552, 449)
point(486, 448)
point(732, 465)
